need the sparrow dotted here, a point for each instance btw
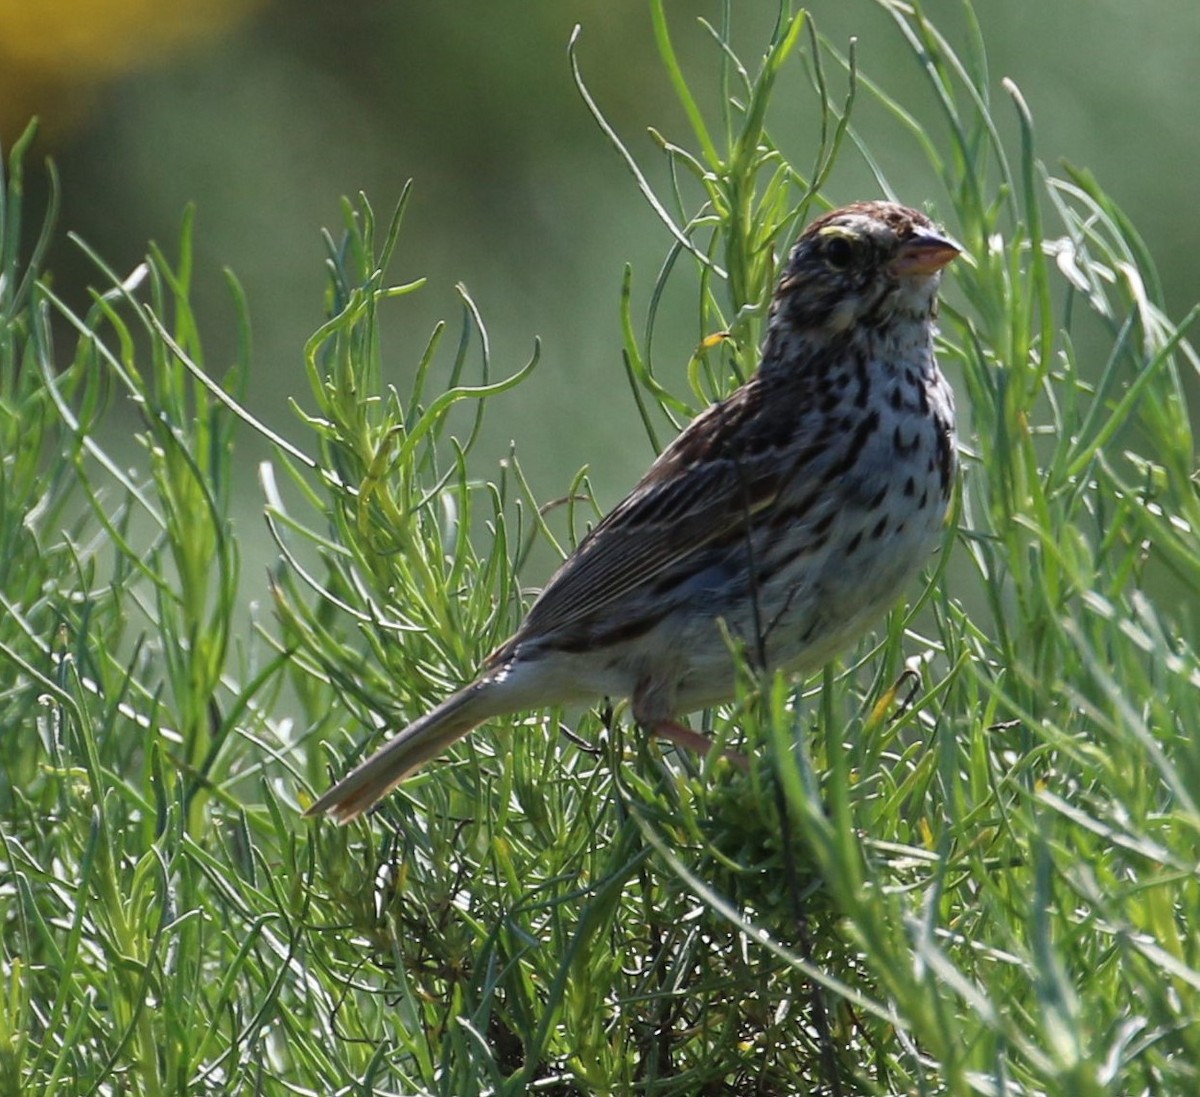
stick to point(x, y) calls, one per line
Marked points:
point(788, 516)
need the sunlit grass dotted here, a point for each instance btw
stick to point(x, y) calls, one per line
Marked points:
point(963, 861)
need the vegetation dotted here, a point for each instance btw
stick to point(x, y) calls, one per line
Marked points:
point(964, 860)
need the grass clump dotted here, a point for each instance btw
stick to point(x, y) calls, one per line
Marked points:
point(963, 860)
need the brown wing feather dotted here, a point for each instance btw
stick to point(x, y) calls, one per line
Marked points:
point(701, 487)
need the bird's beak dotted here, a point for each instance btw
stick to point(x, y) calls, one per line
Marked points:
point(925, 252)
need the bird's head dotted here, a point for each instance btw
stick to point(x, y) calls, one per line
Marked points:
point(859, 267)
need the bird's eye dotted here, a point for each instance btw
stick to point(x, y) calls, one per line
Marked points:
point(839, 253)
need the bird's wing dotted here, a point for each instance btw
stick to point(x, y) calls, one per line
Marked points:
point(705, 486)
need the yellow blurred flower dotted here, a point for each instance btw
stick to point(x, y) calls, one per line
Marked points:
point(54, 53)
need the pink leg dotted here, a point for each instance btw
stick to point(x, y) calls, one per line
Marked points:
point(683, 736)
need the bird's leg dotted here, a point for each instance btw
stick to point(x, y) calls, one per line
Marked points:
point(683, 736)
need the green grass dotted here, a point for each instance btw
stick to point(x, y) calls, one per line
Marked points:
point(964, 860)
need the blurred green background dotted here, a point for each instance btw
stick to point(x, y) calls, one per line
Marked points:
point(264, 114)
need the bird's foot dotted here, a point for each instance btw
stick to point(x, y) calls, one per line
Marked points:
point(683, 736)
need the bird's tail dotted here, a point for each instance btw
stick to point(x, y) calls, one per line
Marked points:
point(405, 753)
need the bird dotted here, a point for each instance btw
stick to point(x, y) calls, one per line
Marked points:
point(787, 517)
